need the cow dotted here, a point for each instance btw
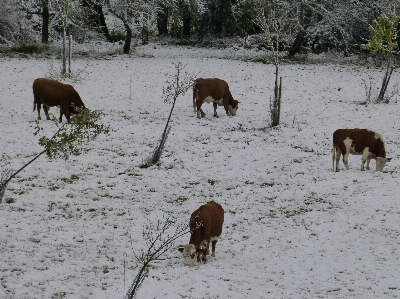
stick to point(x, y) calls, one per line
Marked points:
point(53, 93)
point(363, 142)
point(205, 226)
point(216, 91)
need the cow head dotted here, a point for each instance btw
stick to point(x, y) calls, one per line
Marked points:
point(233, 107)
point(191, 254)
point(381, 163)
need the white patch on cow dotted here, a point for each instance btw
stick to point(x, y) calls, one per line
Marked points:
point(209, 99)
point(220, 102)
point(232, 111)
point(214, 238)
point(189, 254)
point(203, 244)
point(378, 136)
point(347, 143)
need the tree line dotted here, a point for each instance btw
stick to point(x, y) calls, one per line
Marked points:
point(304, 25)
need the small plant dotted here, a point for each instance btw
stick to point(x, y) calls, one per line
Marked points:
point(211, 182)
point(267, 184)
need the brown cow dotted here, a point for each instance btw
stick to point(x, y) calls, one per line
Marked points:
point(205, 226)
point(216, 91)
point(363, 142)
point(53, 93)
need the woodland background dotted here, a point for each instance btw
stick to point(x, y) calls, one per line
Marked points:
point(305, 26)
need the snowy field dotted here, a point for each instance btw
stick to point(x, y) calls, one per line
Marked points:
point(293, 227)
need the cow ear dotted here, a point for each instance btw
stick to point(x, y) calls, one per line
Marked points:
point(180, 248)
point(388, 159)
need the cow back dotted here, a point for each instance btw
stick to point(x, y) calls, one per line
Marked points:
point(54, 93)
point(206, 222)
point(212, 87)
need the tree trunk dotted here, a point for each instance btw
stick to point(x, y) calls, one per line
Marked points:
point(128, 39)
point(102, 21)
point(97, 17)
point(295, 48)
point(45, 22)
point(145, 35)
point(162, 20)
point(385, 82)
point(204, 26)
point(186, 20)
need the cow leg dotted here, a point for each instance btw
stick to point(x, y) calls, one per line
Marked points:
point(204, 257)
point(337, 158)
point(215, 109)
point(346, 160)
point(333, 158)
point(226, 110)
point(213, 243)
point(364, 158)
point(200, 113)
point(194, 102)
point(39, 106)
point(368, 160)
point(64, 110)
point(46, 111)
point(60, 118)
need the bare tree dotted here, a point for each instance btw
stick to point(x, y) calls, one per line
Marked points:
point(269, 19)
point(134, 14)
point(178, 86)
point(159, 238)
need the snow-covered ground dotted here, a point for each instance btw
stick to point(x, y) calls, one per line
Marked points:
point(293, 227)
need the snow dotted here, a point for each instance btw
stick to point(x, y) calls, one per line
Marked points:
point(293, 228)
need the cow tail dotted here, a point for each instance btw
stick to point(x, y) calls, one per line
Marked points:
point(333, 157)
point(34, 106)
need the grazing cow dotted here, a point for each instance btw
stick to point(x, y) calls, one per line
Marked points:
point(205, 226)
point(216, 91)
point(53, 93)
point(363, 142)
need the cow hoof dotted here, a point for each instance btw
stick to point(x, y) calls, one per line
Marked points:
point(215, 115)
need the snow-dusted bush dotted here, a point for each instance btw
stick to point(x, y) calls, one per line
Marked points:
point(14, 27)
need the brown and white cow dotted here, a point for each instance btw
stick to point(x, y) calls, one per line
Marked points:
point(216, 91)
point(53, 93)
point(205, 227)
point(363, 142)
